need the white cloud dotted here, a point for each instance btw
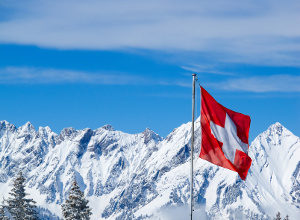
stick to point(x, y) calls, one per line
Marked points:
point(255, 31)
point(30, 75)
point(206, 69)
point(258, 84)
point(272, 83)
point(24, 75)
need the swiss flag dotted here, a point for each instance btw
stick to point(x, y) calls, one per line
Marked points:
point(225, 135)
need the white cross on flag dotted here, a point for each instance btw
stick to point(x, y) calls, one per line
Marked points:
point(224, 136)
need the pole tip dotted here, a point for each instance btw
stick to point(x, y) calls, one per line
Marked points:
point(194, 74)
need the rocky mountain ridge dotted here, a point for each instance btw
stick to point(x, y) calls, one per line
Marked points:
point(128, 176)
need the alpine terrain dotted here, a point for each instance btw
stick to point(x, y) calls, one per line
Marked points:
point(145, 176)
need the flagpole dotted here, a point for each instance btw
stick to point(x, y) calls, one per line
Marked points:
point(192, 145)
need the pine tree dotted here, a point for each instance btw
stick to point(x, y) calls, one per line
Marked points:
point(286, 217)
point(76, 206)
point(278, 217)
point(2, 213)
point(18, 205)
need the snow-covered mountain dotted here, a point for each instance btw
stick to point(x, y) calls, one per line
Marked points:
point(137, 176)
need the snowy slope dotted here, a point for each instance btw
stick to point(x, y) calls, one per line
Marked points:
point(142, 175)
point(275, 172)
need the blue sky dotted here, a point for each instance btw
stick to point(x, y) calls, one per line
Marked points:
point(86, 64)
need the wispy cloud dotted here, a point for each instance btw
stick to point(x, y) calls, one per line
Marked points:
point(205, 69)
point(272, 83)
point(24, 75)
point(253, 31)
point(257, 84)
point(31, 75)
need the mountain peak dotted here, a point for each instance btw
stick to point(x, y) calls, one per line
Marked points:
point(148, 131)
point(277, 125)
point(46, 129)
point(4, 122)
point(28, 124)
point(68, 132)
point(6, 125)
point(108, 127)
point(276, 129)
point(27, 127)
point(150, 135)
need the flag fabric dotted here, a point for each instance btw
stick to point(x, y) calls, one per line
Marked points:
point(225, 135)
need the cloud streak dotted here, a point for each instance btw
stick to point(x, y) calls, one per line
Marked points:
point(30, 75)
point(258, 84)
point(246, 30)
point(204, 69)
point(24, 75)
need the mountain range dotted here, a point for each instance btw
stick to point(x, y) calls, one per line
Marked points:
point(146, 176)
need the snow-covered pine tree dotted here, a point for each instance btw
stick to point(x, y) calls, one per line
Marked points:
point(2, 213)
point(278, 217)
point(18, 205)
point(76, 206)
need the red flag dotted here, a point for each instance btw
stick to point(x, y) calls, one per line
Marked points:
point(225, 135)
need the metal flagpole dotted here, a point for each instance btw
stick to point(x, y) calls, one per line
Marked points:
point(192, 145)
